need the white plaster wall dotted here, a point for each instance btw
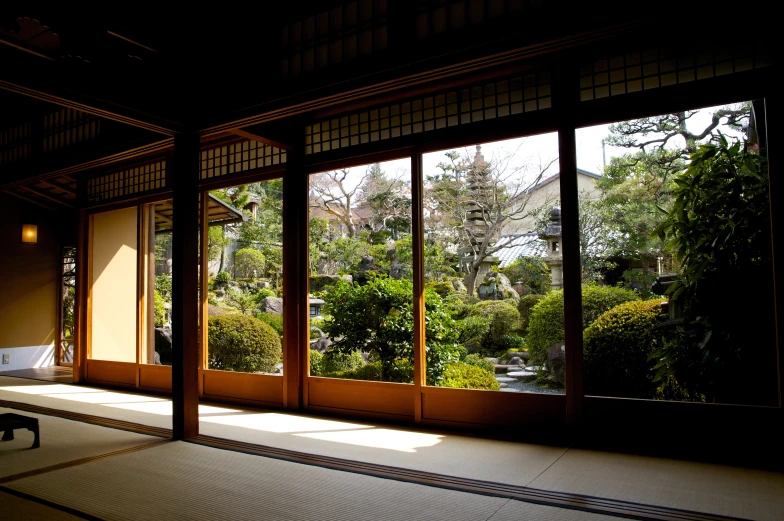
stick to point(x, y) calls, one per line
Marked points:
point(27, 357)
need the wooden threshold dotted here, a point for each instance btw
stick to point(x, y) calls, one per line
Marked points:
point(579, 502)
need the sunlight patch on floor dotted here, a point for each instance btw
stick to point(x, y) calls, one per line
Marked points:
point(378, 439)
point(283, 423)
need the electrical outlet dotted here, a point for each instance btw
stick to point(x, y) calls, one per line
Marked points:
point(6, 358)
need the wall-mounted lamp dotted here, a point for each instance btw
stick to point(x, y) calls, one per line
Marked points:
point(29, 233)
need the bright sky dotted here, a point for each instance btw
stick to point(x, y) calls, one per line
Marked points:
point(539, 149)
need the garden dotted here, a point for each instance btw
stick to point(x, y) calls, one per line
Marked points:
point(674, 244)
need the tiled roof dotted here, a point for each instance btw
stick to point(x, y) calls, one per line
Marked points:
point(519, 245)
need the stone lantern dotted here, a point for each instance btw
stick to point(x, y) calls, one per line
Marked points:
point(552, 235)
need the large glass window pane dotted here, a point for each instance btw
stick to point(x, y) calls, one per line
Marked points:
point(245, 246)
point(156, 270)
point(494, 304)
point(113, 273)
point(361, 283)
point(676, 256)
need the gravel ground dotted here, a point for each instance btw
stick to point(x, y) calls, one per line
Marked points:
point(527, 387)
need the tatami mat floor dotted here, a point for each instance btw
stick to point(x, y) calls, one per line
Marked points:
point(716, 489)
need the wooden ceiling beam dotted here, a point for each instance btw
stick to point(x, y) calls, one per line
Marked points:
point(255, 137)
point(163, 218)
point(59, 187)
point(33, 201)
point(45, 196)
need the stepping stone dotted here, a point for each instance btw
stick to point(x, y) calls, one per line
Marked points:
point(523, 376)
point(513, 368)
point(505, 380)
point(533, 368)
point(503, 385)
point(500, 368)
point(510, 390)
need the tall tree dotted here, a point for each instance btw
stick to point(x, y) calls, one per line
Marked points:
point(477, 199)
point(336, 194)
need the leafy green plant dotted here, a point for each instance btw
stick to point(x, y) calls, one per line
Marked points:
point(264, 293)
point(248, 263)
point(163, 285)
point(222, 277)
point(617, 347)
point(274, 320)
point(159, 311)
point(464, 376)
point(546, 326)
point(336, 361)
point(719, 230)
point(316, 363)
point(241, 300)
point(524, 307)
point(242, 343)
point(459, 304)
point(474, 329)
point(479, 361)
point(532, 272)
point(378, 318)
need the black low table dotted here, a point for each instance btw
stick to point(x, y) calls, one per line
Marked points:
point(10, 422)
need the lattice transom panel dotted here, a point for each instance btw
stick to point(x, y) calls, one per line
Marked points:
point(516, 95)
point(239, 157)
point(67, 127)
point(126, 183)
point(657, 68)
point(16, 143)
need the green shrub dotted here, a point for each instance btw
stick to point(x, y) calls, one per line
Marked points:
point(464, 376)
point(159, 310)
point(273, 319)
point(163, 285)
point(459, 304)
point(510, 342)
point(462, 353)
point(264, 293)
point(616, 351)
point(316, 363)
point(402, 371)
point(242, 343)
point(248, 263)
point(479, 361)
point(335, 361)
point(546, 326)
point(443, 288)
point(532, 272)
point(320, 283)
point(223, 277)
point(474, 328)
point(503, 318)
point(524, 307)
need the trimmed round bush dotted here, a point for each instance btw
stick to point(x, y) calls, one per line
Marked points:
point(242, 343)
point(503, 317)
point(616, 349)
point(316, 363)
point(223, 277)
point(335, 361)
point(484, 363)
point(464, 376)
point(524, 307)
point(402, 371)
point(546, 325)
point(248, 262)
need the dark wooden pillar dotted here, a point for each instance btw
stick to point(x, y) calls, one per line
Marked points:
point(296, 327)
point(184, 177)
point(565, 101)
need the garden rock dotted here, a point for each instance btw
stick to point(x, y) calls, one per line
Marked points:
point(492, 360)
point(472, 347)
point(556, 360)
point(515, 360)
point(496, 286)
point(163, 345)
point(321, 345)
point(523, 376)
point(459, 286)
point(347, 278)
point(272, 305)
point(397, 269)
